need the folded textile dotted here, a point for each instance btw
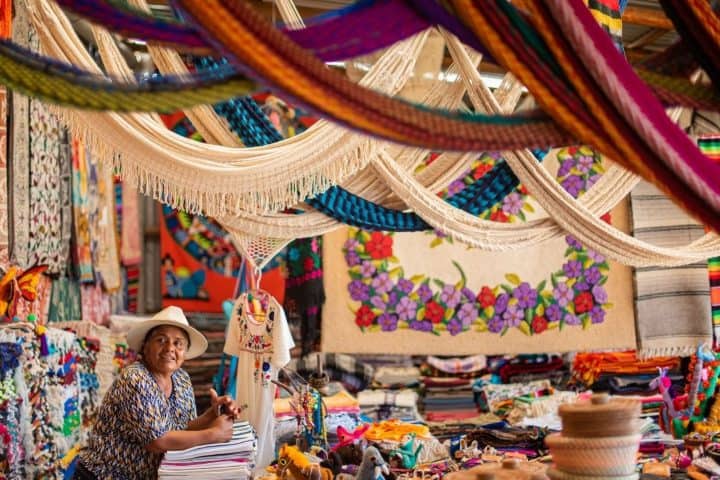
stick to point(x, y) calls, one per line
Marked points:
point(401, 398)
point(341, 401)
point(471, 364)
point(340, 367)
point(234, 459)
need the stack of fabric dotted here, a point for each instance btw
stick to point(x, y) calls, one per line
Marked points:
point(622, 373)
point(392, 394)
point(447, 387)
point(230, 460)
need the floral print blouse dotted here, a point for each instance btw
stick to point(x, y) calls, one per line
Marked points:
point(134, 413)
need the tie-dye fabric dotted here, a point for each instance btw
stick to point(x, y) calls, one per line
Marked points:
point(134, 413)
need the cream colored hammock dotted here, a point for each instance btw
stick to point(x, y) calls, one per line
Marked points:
point(569, 213)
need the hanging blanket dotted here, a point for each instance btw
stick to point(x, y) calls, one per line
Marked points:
point(65, 301)
point(391, 292)
point(672, 304)
point(102, 227)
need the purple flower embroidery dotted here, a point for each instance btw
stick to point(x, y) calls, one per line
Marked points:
point(405, 285)
point(597, 314)
point(454, 327)
point(582, 286)
point(424, 292)
point(593, 275)
point(573, 242)
point(406, 309)
point(496, 324)
point(571, 319)
point(449, 296)
point(526, 296)
point(467, 314)
point(592, 180)
point(377, 302)
point(572, 269)
point(599, 294)
point(455, 187)
point(584, 164)
point(501, 303)
point(352, 258)
point(513, 316)
point(596, 257)
point(387, 322)
point(573, 185)
point(563, 294)
point(358, 290)
point(382, 283)
point(512, 204)
point(350, 244)
point(565, 168)
point(367, 269)
point(392, 299)
point(553, 312)
point(469, 294)
point(424, 326)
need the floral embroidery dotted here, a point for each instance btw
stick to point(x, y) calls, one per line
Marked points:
point(255, 319)
point(574, 296)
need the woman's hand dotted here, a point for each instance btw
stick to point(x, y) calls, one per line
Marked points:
point(222, 428)
point(224, 405)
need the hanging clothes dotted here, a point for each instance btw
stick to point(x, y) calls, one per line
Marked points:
point(258, 335)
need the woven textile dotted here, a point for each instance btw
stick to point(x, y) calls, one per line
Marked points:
point(130, 242)
point(710, 146)
point(49, 235)
point(41, 305)
point(106, 258)
point(550, 297)
point(672, 304)
point(20, 160)
point(82, 256)
point(94, 304)
point(65, 301)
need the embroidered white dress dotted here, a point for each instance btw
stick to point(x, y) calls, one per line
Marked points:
point(262, 343)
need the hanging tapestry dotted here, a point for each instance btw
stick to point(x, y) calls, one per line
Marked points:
point(19, 165)
point(672, 304)
point(389, 292)
point(102, 228)
point(82, 255)
point(4, 219)
point(710, 146)
point(95, 304)
point(304, 291)
point(65, 301)
point(40, 306)
point(47, 245)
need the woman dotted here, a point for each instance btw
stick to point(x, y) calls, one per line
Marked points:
point(150, 408)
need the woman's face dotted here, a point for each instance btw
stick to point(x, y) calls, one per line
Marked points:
point(164, 349)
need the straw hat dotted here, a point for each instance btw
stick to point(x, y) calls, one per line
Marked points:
point(173, 317)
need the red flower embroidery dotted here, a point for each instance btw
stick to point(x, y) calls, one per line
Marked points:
point(498, 216)
point(434, 312)
point(539, 324)
point(486, 297)
point(308, 264)
point(481, 170)
point(379, 246)
point(606, 218)
point(364, 317)
point(583, 302)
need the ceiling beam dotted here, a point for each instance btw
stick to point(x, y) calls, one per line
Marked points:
point(648, 17)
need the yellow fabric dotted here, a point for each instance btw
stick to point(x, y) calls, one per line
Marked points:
point(395, 430)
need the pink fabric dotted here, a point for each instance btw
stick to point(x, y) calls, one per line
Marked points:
point(41, 306)
point(130, 243)
point(95, 304)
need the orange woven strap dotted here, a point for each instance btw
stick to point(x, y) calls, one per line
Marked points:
point(243, 35)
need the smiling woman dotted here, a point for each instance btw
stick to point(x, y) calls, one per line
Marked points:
point(150, 408)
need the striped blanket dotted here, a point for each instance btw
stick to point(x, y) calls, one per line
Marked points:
point(672, 304)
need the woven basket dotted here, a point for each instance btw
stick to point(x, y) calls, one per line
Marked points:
point(601, 416)
point(556, 474)
point(611, 456)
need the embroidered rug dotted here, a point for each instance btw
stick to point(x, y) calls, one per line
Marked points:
point(672, 304)
point(65, 301)
point(102, 228)
point(390, 292)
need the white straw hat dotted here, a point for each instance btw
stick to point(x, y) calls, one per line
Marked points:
point(174, 317)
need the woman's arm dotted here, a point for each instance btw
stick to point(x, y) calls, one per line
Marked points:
point(203, 421)
point(224, 405)
point(219, 430)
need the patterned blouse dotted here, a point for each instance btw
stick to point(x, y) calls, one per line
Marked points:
point(135, 412)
